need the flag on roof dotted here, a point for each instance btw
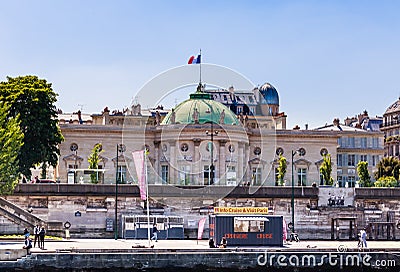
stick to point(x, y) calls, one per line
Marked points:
point(195, 60)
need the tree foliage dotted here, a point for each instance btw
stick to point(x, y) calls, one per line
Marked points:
point(363, 174)
point(386, 182)
point(326, 169)
point(388, 167)
point(33, 99)
point(94, 159)
point(10, 145)
point(282, 169)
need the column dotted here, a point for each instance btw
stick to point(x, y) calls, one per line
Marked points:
point(222, 162)
point(173, 163)
point(157, 162)
point(240, 167)
point(197, 163)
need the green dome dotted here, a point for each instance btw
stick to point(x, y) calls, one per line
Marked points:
point(208, 111)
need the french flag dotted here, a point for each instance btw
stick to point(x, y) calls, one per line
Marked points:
point(195, 60)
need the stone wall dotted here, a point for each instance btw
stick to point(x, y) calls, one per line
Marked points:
point(312, 220)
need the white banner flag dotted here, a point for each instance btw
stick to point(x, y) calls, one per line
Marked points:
point(138, 158)
point(202, 222)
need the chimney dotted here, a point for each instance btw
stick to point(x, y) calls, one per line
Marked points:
point(336, 122)
point(306, 126)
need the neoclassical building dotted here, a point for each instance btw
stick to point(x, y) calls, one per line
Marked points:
point(391, 129)
point(222, 137)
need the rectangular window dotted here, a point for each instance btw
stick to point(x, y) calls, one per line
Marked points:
point(363, 158)
point(351, 181)
point(241, 224)
point(206, 175)
point(340, 181)
point(230, 175)
point(351, 143)
point(363, 142)
point(184, 175)
point(301, 177)
point(339, 159)
point(121, 174)
point(256, 177)
point(375, 142)
point(164, 173)
point(374, 159)
point(351, 160)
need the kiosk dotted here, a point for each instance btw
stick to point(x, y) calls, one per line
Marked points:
point(246, 226)
point(169, 227)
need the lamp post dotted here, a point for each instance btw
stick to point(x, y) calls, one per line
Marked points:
point(120, 149)
point(212, 132)
point(74, 148)
point(294, 152)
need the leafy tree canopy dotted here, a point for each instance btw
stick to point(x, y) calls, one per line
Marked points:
point(282, 169)
point(10, 145)
point(386, 182)
point(33, 100)
point(94, 159)
point(388, 167)
point(363, 174)
point(326, 169)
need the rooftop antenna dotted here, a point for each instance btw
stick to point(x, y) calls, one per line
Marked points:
point(81, 107)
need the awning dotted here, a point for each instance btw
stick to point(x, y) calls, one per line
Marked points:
point(251, 218)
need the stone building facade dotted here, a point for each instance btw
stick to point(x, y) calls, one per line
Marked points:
point(391, 129)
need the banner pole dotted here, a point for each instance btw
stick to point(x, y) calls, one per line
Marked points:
point(147, 196)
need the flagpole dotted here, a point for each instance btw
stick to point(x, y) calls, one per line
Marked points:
point(147, 196)
point(200, 65)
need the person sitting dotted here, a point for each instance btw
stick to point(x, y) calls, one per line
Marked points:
point(211, 243)
point(27, 245)
point(223, 243)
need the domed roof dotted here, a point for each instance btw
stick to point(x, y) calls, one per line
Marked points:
point(207, 110)
point(395, 107)
point(270, 94)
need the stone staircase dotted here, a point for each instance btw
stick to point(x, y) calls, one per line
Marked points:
point(19, 216)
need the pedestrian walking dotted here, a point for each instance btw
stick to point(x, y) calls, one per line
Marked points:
point(36, 231)
point(42, 234)
point(155, 233)
point(363, 235)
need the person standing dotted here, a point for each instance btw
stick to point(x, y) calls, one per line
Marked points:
point(26, 232)
point(363, 235)
point(155, 233)
point(36, 231)
point(42, 234)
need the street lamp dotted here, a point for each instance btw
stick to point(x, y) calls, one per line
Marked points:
point(294, 152)
point(120, 149)
point(74, 148)
point(212, 133)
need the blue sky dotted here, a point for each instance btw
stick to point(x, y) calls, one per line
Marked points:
point(327, 59)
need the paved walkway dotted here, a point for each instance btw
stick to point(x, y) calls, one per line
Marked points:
point(53, 246)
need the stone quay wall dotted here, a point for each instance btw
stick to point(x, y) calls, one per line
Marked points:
point(221, 260)
point(87, 207)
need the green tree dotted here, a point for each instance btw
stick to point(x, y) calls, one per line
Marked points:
point(281, 169)
point(386, 182)
point(326, 169)
point(33, 99)
point(363, 174)
point(10, 145)
point(388, 167)
point(94, 159)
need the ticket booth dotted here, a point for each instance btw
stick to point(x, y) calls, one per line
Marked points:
point(136, 226)
point(246, 226)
